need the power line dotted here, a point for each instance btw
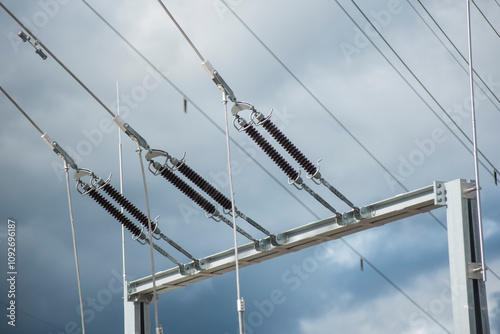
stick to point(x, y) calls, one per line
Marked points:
point(458, 61)
point(456, 49)
point(486, 19)
point(427, 91)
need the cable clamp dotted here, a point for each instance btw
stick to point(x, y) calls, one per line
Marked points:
point(27, 38)
point(240, 106)
point(54, 146)
point(260, 117)
point(217, 79)
point(242, 124)
point(129, 131)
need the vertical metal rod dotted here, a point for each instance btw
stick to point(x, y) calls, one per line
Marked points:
point(240, 302)
point(474, 134)
point(150, 235)
point(120, 159)
point(74, 246)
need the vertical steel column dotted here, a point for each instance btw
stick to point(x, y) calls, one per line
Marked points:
point(137, 318)
point(470, 311)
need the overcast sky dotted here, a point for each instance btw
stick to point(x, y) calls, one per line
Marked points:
point(340, 81)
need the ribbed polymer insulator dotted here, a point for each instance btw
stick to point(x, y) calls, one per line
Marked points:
point(205, 186)
point(273, 130)
point(272, 153)
point(188, 190)
point(136, 231)
point(132, 209)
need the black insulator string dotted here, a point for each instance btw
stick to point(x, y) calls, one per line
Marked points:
point(283, 140)
point(197, 198)
point(125, 203)
point(308, 166)
point(142, 218)
point(216, 195)
point(111, 209)
point(272, 153)
point(127, 223)
point(278, 159)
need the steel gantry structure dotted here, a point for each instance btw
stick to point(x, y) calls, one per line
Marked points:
point(470, 312)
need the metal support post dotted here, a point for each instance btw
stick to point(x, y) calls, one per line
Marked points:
point(137, 317)
point(470, 311)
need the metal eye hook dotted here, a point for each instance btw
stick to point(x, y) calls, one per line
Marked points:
point(260, 117)
point(176, 164)
point(139, 237)
point(157, 170)
point(156, 227)
point(297, 183)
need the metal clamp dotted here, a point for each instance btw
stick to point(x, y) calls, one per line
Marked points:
point(97, 183)
point(85, 188)
point(243, 125)
point(54, 146)
point(297, 182)
point(176, 163)
point(317, 175)
point(240, 106)
point(134, 135)
point(217, 79)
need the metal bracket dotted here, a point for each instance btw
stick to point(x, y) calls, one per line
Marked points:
point(134, 135)
point(156, 153)
point(475, 270)
point(240, 106)
point(81, 172)
point(215, 76)
point(439, 193)
point(469, 190)
point(54, 146)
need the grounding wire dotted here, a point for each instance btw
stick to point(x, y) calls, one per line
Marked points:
point(240, 302)
point(429, 93)
point(150, 234)
point(456, 59)
point(485, 18)
point(458, 51)
point(82, 317)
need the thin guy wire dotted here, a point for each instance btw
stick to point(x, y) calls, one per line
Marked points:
point(21, 110)
point(429, 93)
point(150, 234)
point(485, 18)
point(474, 133)
point(233, 210)
point(182, 31)
point(58, 61)
point(464, 68)
point(82, 317)
point(458, 51)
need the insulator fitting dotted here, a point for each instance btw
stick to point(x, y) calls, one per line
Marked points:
point(272, 153)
